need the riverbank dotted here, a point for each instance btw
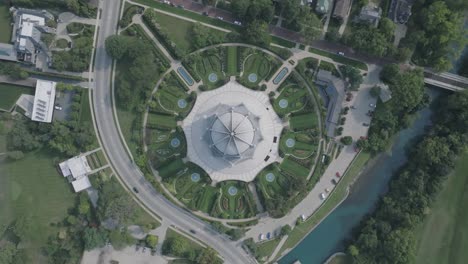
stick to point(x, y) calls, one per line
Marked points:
point(443, 236)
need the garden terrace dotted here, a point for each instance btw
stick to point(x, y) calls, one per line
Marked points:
point(208, 66)
point(235, 201)
point(256, 67)
point(232, 61)
point(291, 99)
point(293, 167)
point(164, 146)
point(300, 144)
point(172, 97)
point(161, 121)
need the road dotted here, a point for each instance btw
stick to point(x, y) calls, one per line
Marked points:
point(122, 164)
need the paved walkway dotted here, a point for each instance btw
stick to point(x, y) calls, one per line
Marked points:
point(278, 247)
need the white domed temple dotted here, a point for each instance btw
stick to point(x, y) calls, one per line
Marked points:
point(232, 132)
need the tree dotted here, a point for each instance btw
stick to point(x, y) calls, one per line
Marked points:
point(175, 246)
point(353, 251)
point(73, 6)
point(387, 27)
point(407, 91)
point(375, 91)
point(352, 75)
point(84, 206)
point(117, 46)
point(120, 239)
point(251, 10)
point(347, 140)
point(285, 230)
point(7, 252)
point(389, 73)
point(151, 241)
point(94, 238)
point(257, 33)
point(208, 256)
point(22, 227)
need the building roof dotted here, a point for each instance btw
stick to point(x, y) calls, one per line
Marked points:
point(323, 6)
point(81, 184)
point(342, 8)
point(250, 112)
point(76, 167)
point(44, 99)
point(370, 13)
point(335, 90)
point(32, 19)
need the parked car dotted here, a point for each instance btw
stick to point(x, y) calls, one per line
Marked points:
point(340, 53)
point(58, 107)
point(167, 2)
point(193, 231)
point(322, 196)
point(372, 105)
point(262, 237)
point(268, 236)
point(337, 174)
point(144, 249)
point(334, 182)
point(365, 124)
point(327, 190)
point(238, 23)
point(220, 18)
point(205, 13)
point(135, 190)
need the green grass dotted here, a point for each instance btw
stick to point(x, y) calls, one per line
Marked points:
point(5, 21)
point(443, 237)
point(85, 108)
point(271, 190)
point(171, 169)
point(290, 166)
point(340, 59)
point(161, 121)
point(207, 64)
point(303, 121)
point(232, 64)
point(265, 249)
point(260, 64)
point(127, 118)
point(304, 146)
point(240, 205)
point(294, 95)
point(32, 187)
point(9, 93)
point(337, 195)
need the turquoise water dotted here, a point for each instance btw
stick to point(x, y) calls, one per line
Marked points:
point(330, 235)
point(280, 75)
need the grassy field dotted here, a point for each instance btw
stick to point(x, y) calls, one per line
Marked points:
point(335, 197)
point(303, 121)
point(295, 98)
point(232, 64)
point(191, 245)
point(161, 121)
point(9, 93)
point(265, 249)
point(258, 64)
point(290, 166)
point(33, 188)
point(443, 237)
point(5, 21)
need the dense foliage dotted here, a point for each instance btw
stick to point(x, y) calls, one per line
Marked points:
point(436, 33)
point(408, 96)
point(387, 235)
point(135, 84)
point(65, 137)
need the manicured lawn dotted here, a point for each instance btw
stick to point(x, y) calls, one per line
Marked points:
point(169, 94)
point(240, 205)
point(171, 169)
point(290, 166)
point(303, 121)
point(274, 189)
point(259, 64)
point(180, 31)
point(10, 93)
point(161, 121)
point(32, 187)
point(265, 249)
point(85, 108)
point(337, 195)
point(61, 43)
point(232, 64)
point(443, 237)
point(304, 144)
point(206, 200)
point(293, 99)
point(5, 21)
point(207, 65)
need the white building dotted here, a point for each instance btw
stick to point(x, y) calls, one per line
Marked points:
point(76, 170)
point(44, 99)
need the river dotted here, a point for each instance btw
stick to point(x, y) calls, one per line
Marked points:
point(329, 237)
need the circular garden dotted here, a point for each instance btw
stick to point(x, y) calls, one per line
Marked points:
point(166, 146)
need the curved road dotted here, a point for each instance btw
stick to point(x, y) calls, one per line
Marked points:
point(128, 172)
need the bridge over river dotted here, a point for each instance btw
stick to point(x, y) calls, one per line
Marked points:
point(446, 80)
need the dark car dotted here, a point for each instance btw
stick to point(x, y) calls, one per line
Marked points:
point(193, 231)
point(334, 181)
point(135, 190)
point(205, 13)
point(180, 6)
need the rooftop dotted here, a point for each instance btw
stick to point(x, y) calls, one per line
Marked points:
point(76, 167)
point(44, 99)
point(231, 132)
point(81, 184)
